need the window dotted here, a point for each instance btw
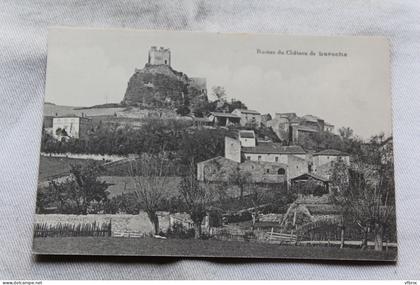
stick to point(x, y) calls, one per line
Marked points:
point(277, 159)
point(259, 158)
point(248, 158)
point(267, 171)
point(281, 171)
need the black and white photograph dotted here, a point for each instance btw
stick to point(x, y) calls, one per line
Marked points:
point(198, 144)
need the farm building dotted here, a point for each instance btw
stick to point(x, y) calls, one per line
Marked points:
point(71, 126)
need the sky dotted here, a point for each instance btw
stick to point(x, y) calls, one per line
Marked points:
point(92, 66)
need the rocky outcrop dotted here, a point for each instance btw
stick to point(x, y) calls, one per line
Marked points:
point(160, 86)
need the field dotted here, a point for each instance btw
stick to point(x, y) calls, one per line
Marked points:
point(197, 248)
point(52, 166)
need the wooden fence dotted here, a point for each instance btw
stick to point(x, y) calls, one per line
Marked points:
point(275, 237)
point(72, 230)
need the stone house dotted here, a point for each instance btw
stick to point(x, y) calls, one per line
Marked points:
point(221, 169)
point(323, 161)
point(248, 117)
point(289, 126)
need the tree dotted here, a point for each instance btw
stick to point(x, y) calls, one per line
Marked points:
point(219, 92)
point(201, 144)
point(380, 179)
point(87, 188)
point(151, 184)
point(236, 104)
point(243, 179)
point(77, 193)
point(340, 180)
point(368, 195)
point(346, 133)
point(196, 197)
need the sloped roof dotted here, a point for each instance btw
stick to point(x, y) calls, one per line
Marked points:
point(311, 175)
point(311, 118)
point(307, 129)
point(218, 159)
point(198, 119)
point(331, 152)
point(248, 111)
point(274, 148)
point(226, 115)
point(286, 115)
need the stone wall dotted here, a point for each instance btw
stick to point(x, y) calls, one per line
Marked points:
point(220, 169)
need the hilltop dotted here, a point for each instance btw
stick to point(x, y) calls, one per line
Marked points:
point(160, 86)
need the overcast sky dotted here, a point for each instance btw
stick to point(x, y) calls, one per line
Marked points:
point(88, 67)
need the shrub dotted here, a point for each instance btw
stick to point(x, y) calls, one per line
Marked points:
point(179, 231)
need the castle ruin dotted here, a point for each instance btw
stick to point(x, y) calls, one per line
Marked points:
point(159, 56)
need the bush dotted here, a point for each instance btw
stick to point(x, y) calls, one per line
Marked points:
point(179, 231)
point(125, 203)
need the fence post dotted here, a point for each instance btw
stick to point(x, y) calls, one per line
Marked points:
point(271, 234)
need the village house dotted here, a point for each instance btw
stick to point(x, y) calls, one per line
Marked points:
point(265, 161)
point(290, 127)
point(71, 126)
point(323, 161)
point(294, 157)
point(221, 169)
point(247, 138)
point(268, 162)
point(224, 119)
point(248, 117)
point(319, 185)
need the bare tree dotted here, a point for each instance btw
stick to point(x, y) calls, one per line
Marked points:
point(196, 197)
point(340, 179)
point(368, 195)
point(242, 179)
point(219, 92)
point(346, 133)
point(151, 181)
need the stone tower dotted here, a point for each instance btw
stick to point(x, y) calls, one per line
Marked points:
point(159, 56)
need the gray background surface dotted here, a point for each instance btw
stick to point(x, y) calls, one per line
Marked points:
point(23, 54)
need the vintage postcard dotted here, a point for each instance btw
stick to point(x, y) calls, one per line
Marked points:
point(159, 143)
